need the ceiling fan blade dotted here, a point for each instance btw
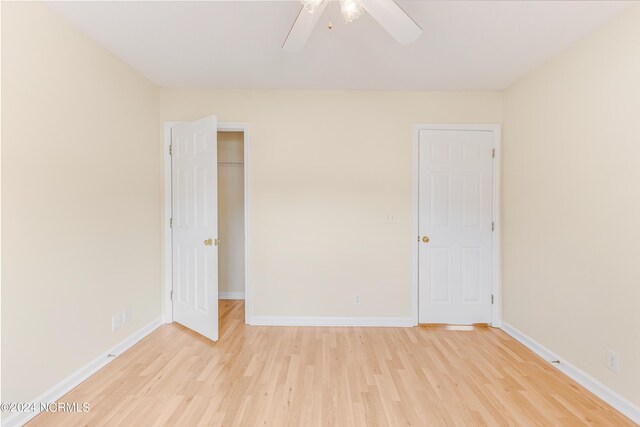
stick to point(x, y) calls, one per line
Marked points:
point(302, 28)
point(393, 19)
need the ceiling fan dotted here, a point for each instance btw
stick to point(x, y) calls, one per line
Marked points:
point(388, 14)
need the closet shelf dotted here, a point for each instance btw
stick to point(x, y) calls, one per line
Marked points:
point(231, 162)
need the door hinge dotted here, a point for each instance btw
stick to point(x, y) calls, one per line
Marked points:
point(171, 149)
point(491, 298)
point(493, 226)
point(493, 153)
point(171, 295)
point(170, 222)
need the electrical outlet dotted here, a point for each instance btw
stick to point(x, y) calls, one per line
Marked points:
point(126, 315)
point(390, 219)
point(116, 322)
point(356, 299)
point(613, 361)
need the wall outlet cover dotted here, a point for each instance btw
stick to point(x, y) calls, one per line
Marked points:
point(613, 361)
point(115, 322)
point(126, 315)
point(390, 219)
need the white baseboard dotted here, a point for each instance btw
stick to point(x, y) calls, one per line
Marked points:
point(69, 383)
point(230, 295)
point(331, 321)
point(626, 407)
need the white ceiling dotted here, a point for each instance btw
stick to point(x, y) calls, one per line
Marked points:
point(466, 45)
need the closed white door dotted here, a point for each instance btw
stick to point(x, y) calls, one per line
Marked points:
point(194, 187)
point(455, 226)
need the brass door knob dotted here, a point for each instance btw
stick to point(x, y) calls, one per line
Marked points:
point(208, 242)
point(425, 239)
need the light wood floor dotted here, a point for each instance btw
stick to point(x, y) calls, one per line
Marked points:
point(306, 376)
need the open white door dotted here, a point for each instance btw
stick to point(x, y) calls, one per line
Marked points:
point(455, 226)
point(195, 225)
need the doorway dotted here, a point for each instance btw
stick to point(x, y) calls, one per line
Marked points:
point(201, 200)
point(231, 215)
point(456, 221)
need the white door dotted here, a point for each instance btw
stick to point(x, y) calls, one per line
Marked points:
point(194, 204)
point(455, 226)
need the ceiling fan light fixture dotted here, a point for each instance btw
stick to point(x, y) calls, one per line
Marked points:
point(351, 9)
point(311, 5)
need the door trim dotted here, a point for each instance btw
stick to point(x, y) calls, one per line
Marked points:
point(167, 242)
point(496, 313)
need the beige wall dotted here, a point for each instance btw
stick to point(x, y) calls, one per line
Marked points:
point(81, 178)
point(571, 204)
point(326, 167)
point(231, 212)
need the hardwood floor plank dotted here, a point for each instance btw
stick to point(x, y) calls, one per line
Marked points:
point(331, 376)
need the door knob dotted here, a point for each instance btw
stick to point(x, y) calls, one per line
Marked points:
point(425, 239)
point(208, 242)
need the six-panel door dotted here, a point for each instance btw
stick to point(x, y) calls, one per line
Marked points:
point(455, 213)
point(195, 225)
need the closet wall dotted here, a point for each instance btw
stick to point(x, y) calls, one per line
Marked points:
point(231, 214)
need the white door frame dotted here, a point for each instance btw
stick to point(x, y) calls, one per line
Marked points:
point(496, 249)
point(166, 217)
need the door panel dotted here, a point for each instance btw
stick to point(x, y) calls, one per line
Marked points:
point(194, 210)
point(455, 212)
